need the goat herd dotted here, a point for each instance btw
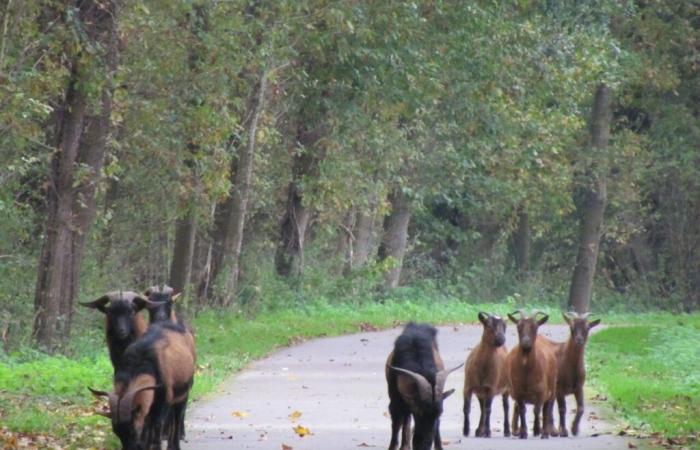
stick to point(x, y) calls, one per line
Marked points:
point(154, 366)
point(536, 371)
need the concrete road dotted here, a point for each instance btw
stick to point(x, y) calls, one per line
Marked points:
point(338, 387)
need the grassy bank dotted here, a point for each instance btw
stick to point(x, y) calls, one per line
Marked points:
point(651, 373)
point(44, 400)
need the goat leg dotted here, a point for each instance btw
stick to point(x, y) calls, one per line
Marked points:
point(397, 420)
point(561, 406)
point(480, 429)
point(466, 409)
point(406, 435)
point(487, 416)
point(520, 407)
point(546, 417)
point(536, 424)
point(514, 426)
point(506, 425)
point(436, 436)
point(579, 410)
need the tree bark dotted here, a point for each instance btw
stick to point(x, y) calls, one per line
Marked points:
point(522, 238)
point(79, 137)
point(346, 241)
point(592, 205)
point(183, 251)
point(395, 236)
point(364, 238)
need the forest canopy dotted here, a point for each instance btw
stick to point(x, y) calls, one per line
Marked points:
point(255, 154)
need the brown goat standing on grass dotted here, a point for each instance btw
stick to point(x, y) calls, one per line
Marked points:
point(485, 375)
point(416, 378)
point(532, 375)
point(571, 371)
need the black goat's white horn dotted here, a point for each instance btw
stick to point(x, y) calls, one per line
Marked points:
point(124, 409)
point(425, 390)
point(441, 378)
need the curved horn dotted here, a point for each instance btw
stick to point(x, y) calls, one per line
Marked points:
point(142, 303)
point(113, 400)
point(585, 315)
point(124, 410)
point(103, 414)
point(441, 377)
point(425, 390)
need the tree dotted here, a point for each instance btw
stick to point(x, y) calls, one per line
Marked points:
point(593, 200)
point(78, 133)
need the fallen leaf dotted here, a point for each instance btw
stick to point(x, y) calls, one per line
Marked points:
point(301, 431)
point(240, 414)
point(286, 447)
point(294, 416)
point(631, 445)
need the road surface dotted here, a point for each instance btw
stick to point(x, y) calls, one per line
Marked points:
point(335, 388)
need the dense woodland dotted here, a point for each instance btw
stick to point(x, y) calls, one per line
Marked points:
point(255, 154)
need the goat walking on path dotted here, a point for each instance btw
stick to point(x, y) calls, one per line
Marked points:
point(485, 375)
point(532, 374)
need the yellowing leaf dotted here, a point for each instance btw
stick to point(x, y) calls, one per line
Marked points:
point(301, 431)
point(294, 416)
point(240, 414)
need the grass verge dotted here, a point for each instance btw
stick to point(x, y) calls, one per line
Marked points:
point(651, 374)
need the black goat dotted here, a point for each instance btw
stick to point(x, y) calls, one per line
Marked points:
point(123, 323)
point(162, 303)
point(416, 378)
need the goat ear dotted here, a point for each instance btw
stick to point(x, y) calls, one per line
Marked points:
point(593, 323)
point(512, 318)
point(483, 317)
point(543, 320)
point(447, 393)
point(100, 304)
point(175, 296)
point(138, 303)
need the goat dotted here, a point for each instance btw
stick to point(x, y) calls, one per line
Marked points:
point(416, 378)
point(123, 323)
point(571, 371)
point(485, 375)
point(162, 301)
point(157, 375)
point(532, 375)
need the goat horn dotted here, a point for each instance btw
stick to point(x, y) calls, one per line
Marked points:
point(113, 398)
point(425, 390)
point(103, 414)
point(441, 377)
point(124, 409)
point(585, 315)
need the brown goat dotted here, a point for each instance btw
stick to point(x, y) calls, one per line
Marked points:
point(485, 375)
point(571, 370)
point(163, 360)
point(532, 375)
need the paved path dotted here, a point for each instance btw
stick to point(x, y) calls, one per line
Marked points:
point(338, 386)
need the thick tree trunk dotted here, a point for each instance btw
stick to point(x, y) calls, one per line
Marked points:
point(79, 138)
point(364, 238)
point(592, 206)
point(522, 238)
point(183, 252)
point(395, 236)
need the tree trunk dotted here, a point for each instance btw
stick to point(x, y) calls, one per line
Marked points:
point(240, 193)
point(183, 251)
point(395, 236)
point(345, 245)
point(364, 238)
point(79, 137)
point(592, 205)
point(289, 257)
point(521, 244)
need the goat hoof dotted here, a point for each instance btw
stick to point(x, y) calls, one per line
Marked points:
point(544, 436)
point(506, 433)
point(574, 431)
point(563, 432)
point(478, 432)
point(523, 435)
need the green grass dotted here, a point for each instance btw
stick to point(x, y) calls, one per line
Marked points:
point(47, 394)
point(651, 373)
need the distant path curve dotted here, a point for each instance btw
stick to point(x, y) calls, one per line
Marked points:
point(338, 386)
